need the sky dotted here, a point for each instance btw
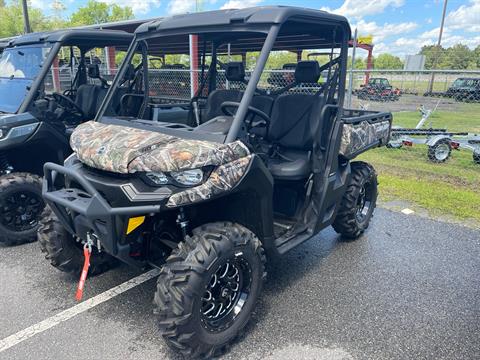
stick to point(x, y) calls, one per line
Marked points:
point(399, 27)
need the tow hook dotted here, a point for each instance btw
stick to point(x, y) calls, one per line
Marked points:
point(87, 252)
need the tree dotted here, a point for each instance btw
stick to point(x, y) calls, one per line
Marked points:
point(387, 61)
point(95, 12)
point(433, 55)
point(11, 20)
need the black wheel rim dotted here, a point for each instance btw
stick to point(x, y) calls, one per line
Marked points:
point(226, 294)
point(20, 211)
point(364, 201)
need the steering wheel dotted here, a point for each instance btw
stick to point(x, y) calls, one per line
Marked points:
point(228, 107)
point(68, 104)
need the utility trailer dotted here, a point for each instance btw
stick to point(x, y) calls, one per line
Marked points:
point(440, 142)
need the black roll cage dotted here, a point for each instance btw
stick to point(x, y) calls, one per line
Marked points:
point(85, 40)
point(154, 30)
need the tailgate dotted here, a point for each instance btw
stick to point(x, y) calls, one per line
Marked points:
point(363, 130)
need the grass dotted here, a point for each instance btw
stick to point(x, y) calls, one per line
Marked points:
point(450, 189)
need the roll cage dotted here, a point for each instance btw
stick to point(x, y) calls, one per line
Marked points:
point(266, 27)
point(82, 39)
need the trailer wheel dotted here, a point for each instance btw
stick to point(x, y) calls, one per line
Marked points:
point(440, 151)
point(358, 202)
point(208, 289)
point(394, 143)
point(476, 157)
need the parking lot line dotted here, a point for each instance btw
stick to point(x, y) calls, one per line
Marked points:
point(67, 314)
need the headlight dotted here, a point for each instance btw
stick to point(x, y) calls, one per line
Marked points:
point(19, 131)
point(1, 133)
point(158, 178)
point(188, 177)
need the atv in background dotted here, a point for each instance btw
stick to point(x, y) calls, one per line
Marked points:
point(47, 88)
point(465, 89)
point(265, 170)
point(462, 89)
point(378, 89)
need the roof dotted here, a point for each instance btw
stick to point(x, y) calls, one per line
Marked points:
point(77, 37)
point(245, 30)
point(248, 17)
point(125, 25)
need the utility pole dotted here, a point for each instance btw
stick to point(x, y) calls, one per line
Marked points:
point(26, 21)
point(439, 43)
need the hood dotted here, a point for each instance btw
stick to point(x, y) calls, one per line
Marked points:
point(124, 150)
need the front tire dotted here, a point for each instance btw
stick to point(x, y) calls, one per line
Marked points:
point(358, 202)
point(64, 252)
point(208, 288)
point(21, 204)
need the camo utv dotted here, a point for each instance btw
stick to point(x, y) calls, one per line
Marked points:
point(249, 171)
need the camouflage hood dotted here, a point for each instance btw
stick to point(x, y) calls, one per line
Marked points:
point(124, 150)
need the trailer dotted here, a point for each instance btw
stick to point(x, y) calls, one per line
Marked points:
point(440, 142)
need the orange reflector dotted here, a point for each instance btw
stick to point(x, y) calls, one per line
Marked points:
point(134, 223)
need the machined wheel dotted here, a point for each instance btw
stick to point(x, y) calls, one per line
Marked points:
point(208, 289)
point(358, 202)
point(21, 204)
point(440, 151)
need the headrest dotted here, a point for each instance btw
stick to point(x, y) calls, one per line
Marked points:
point(235, 71)
point(307, 72)
point(93, 71)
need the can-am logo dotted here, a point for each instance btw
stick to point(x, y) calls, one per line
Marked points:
point(101, 150)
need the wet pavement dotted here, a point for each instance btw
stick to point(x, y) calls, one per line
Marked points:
point(408, 289)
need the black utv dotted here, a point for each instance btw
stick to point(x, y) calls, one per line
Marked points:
point(49, 83)
point(266, 169)
point(465, 89)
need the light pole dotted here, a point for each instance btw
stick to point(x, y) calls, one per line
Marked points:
point(26, 21)
point(437, 49)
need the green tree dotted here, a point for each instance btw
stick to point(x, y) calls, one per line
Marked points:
point(95, 12)
point(11, 20)
point(387, 61)
point(476, 57)
point(458, 57)
point(433, 55)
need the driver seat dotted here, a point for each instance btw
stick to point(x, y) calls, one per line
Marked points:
point(292, 127)
point(234, 72)
point(90, 96)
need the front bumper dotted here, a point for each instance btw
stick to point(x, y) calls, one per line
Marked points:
point(83, 210)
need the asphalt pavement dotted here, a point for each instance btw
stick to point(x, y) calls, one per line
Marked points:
point(408, 289)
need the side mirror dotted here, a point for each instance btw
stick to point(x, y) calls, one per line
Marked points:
point(93, 71)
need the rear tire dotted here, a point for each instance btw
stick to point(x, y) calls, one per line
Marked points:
point(64, 252)
point(21, 204)
point(199, 310)
point(440, 151)
point(358, 202)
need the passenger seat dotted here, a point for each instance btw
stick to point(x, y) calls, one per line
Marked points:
point(293, 125)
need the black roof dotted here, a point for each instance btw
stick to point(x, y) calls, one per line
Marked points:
point(303, 29)
point(77, 37)
point(125, 25)
point(246, 17)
